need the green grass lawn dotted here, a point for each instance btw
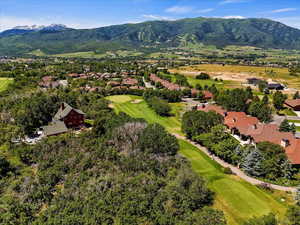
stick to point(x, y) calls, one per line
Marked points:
point(141, 110)
point(288, 112)
point(235, 197)
point(4, 82)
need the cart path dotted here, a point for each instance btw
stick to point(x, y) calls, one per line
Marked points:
point(238, 172)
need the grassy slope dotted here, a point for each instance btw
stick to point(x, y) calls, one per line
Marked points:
point(238, 199)
point(4, 82)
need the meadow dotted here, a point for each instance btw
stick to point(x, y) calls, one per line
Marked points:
point(238, 199)
point(4, 82)
point(241, 73)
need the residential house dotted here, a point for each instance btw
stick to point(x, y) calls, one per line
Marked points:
point(294, 104)
point(66, 118)
point(251, 131)
point(165, 83)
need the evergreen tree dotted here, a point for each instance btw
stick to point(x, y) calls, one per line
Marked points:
point(278, 100)
point(293, 128)
point(252, 163)
point(265, 99)
point(285, 126)
point(296, 95)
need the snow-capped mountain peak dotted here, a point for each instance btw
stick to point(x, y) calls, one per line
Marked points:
point(37, 28)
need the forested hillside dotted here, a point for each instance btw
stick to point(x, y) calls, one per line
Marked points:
point(209, 31)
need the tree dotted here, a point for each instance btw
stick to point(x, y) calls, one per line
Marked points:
point(4, 167)
point(234, 100)
point(252, 164)
point(195, 123)
point(265, 100)
point(293, 215)
point(293, 128)
point(285, 126)
point(203, 76)
point(262, 85)
point(296, 95)
point(278, 100)
point(198, 87)
point(260, 110)
point(209, 216)
point(160, 106)
point(155, 139)
point(264, 220)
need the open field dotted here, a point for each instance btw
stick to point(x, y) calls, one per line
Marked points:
point(239, 74)
point(238, 199)
point(4, 82)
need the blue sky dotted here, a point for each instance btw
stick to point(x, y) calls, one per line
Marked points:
point(97, 13)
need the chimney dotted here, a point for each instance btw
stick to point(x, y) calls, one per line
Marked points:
point(254, 126)
point(234, 120)
point(225, 114)
point(203, 106)
point(285, 143)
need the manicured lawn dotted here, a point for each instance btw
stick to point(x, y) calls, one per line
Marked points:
point(288, 112)
point(125, 104)
point(236, 198)
point(4, 82)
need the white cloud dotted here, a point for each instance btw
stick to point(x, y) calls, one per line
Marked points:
point(233, 17)
point(232, 1)
point(283, 10)
point(156, 17)
point(179, 9)
point(205, 10)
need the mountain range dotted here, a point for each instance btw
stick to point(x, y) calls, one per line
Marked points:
point(55, 39)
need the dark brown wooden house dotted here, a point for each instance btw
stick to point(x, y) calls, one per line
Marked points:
point(73, 118)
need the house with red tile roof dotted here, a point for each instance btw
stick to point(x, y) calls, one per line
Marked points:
point(165, 83)
point(214, 108)
point(207, 95)
point(130, 81)
point(294, 104)
point(249, 129)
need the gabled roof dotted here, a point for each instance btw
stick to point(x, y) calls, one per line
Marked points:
point(215, 108)
point(64, 110)
point(293, 102)
point(58, 127)
point(293, 151)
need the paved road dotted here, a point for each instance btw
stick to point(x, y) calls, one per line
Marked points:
point(236, 170)
point(293, 118)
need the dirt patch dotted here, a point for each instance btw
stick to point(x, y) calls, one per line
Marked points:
point(111, 106)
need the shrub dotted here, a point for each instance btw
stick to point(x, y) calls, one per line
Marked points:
point(161, 107)
point(203, 76)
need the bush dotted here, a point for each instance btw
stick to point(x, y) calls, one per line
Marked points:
point(203, 76)
point(161, 107)
point(5, 167)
